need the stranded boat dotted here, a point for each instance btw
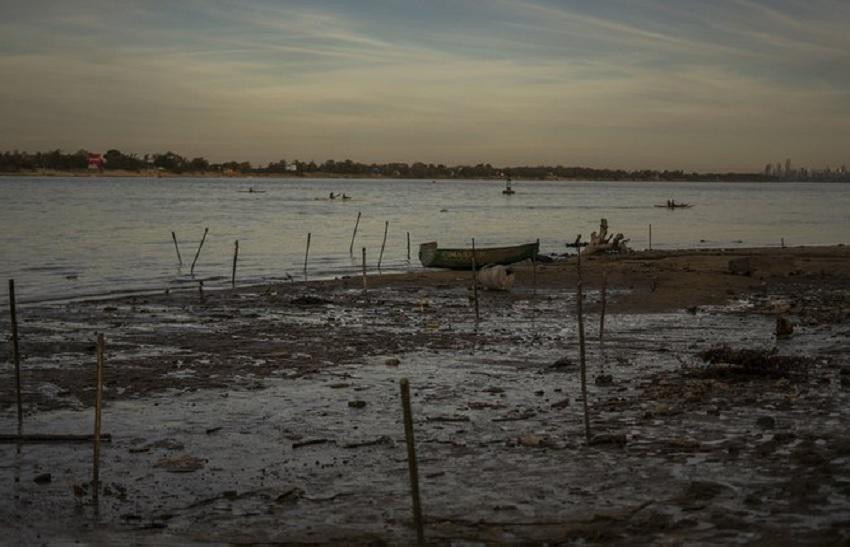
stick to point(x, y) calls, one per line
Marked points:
point(461, 259)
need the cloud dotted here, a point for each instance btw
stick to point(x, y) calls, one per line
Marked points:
point(637, 84)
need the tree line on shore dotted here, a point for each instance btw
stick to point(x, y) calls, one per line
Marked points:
point(172, 163)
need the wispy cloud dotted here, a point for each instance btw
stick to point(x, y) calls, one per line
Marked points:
point(641, 83)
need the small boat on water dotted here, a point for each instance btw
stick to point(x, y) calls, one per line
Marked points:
point(461, 259)
point(252, 191)
point(508, 191)
point(673, 205)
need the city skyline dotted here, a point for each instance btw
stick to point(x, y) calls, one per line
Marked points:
point(633, 85)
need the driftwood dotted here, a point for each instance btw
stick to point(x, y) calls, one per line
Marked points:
point(601, 242)
point(497, 278)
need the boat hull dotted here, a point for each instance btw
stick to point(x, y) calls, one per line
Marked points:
point(461, 259)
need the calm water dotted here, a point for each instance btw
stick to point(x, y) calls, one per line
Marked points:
point(70, 237)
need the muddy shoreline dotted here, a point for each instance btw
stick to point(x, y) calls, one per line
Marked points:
point(243, 379)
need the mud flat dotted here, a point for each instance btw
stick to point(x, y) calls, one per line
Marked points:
point(272, 414)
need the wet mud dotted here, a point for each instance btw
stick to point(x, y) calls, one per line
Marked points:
point(272, 414)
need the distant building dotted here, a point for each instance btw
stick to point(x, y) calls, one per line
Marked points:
point(96, 161)
point(788, 172)
point(768, 170)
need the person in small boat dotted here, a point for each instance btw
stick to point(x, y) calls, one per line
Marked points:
point(331, 196)
point(250, 189)
point(345, 197)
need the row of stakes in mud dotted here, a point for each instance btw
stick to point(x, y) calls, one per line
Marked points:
point(306, 253)
point(98, 437)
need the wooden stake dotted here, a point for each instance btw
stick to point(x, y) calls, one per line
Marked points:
point(179, 258)
point(356, 224)
point(383, 244)
point(16, 352)
point(782, 240)
point(201, 291)
point(98, 408)
point(578, 256)
point(192, 269)
point(475, 281)
point(534, 270)
point(235, 256)
point(306, 254)
point(408, 247)
point(583, 360)
point(604, 301)
point(650, 237)
point(364, 270)
point(412, 466)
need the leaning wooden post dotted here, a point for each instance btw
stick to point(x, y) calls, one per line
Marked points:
point(306, 254)
point(582, 359)
point(578, 256)
point(408, 246)
point(383, 244)
point(604, 301)
point(534, 270)
point(412, 466)
point(198, 253)
point(16, 352)
point(650, 237)
point(235, 256)
point(364, 270)
point(98, 408)
point(356, 224)
point(179, 258)
point(475, 281)
point(201, 291)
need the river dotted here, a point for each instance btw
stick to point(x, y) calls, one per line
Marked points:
point(73, 237)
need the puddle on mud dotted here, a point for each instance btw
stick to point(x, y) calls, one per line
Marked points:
point(319, 455)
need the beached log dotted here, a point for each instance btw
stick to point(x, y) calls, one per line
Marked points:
point(497, 278)
point(602, 242)
point(51, 438)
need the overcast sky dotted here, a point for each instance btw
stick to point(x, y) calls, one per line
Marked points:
point(690, 84)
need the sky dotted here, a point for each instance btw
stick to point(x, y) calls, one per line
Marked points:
point(669, 84)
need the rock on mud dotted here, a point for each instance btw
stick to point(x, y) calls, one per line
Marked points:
point(180, 464)
point(741, 266)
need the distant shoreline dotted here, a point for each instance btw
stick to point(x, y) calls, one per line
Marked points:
point(151, 173)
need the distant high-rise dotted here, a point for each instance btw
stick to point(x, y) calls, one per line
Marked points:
point(768, 170)
point(788, 172)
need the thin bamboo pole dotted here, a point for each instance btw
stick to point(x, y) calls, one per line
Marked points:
point(364, 270)
point(177, 248)
point(306, 254)
point(356, 224)
point(408, 246)
point(16, 353)
point(235, 257)
point(583, 360)
point(604, 302)
point(650, 237)
point(475, 281)
point(534, 270)
point(98, 409)
point(578, 256)
point(412, 465)
point(383, 244)
point(198, 252)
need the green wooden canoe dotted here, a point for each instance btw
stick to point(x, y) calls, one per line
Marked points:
point(461, 259)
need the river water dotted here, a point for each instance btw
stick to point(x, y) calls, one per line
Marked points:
point(73, 237)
